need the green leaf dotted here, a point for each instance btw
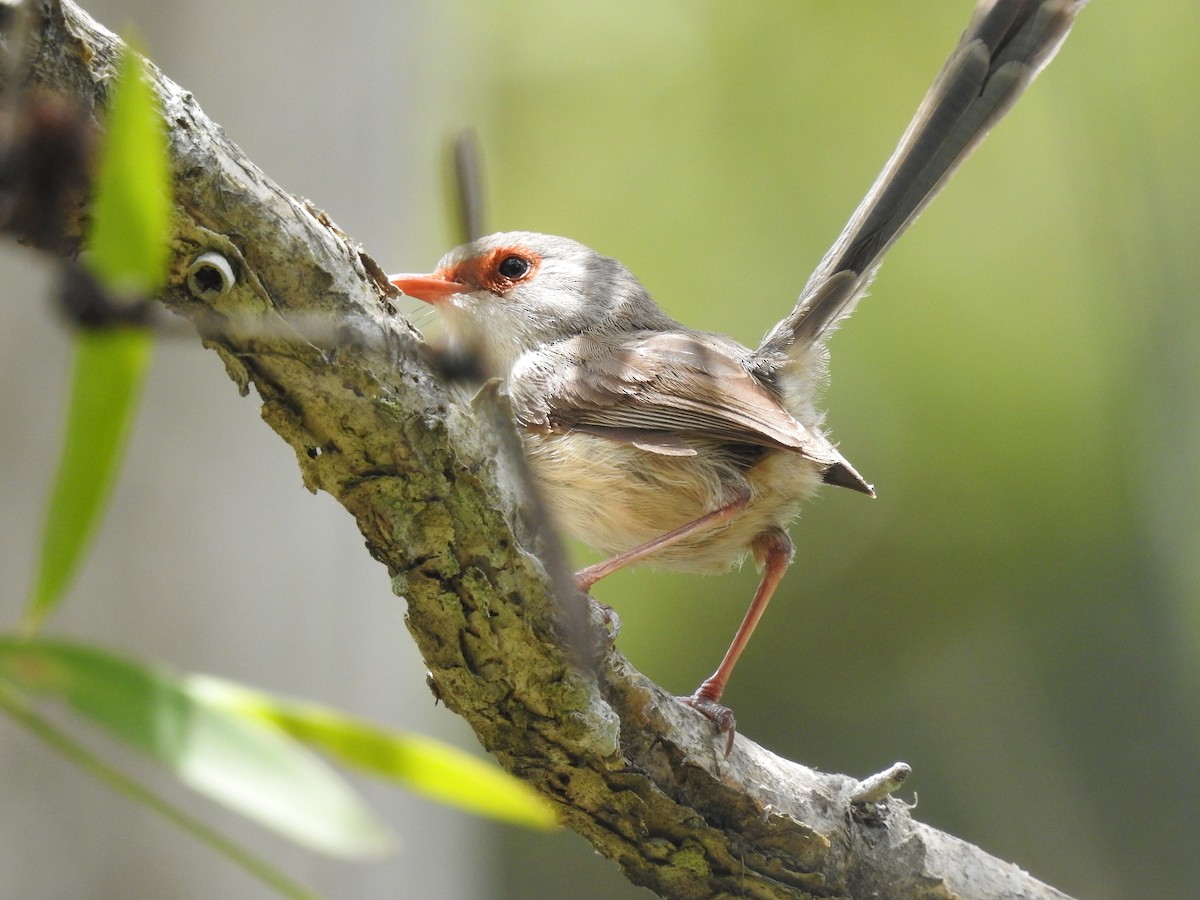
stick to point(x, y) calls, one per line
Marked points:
point(243, 762)
point(429, 767)
point(110, 366)
point(128, 239)
point(129, 229)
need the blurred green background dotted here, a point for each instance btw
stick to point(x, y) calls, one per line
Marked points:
point(1018, 615)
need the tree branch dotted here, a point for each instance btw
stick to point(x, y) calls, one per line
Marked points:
point(431, 477)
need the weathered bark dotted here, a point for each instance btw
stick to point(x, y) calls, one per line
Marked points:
point(429, 474)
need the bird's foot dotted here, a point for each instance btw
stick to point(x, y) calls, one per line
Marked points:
point(720, 716)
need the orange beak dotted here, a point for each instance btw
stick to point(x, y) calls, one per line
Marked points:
point(429, 288)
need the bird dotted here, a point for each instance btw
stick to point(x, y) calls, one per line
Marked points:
point(657, 443)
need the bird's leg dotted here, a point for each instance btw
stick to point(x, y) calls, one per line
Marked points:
point(585, 578)
point(773, 552)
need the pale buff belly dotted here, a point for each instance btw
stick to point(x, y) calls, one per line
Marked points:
point(614, 496)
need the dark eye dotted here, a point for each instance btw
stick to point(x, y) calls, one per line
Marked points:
point(513, 267)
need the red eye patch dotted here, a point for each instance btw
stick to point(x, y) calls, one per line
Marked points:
point(497, 270)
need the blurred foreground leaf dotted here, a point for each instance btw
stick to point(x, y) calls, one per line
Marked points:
point(128, 238)
point(110, 367)
point(128, 243)
point(241, 761)
point(429, 767)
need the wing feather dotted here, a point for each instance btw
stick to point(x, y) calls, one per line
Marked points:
point(665, 392)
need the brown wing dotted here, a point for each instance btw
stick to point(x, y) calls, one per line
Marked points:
point(662, 391)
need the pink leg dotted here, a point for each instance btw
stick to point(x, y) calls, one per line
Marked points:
point(585, 578)
point(773, 550)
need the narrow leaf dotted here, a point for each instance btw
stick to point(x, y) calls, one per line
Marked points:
point(429, 767)
point(109, 370)
point(243, 762)
point(128, 239)
point(129, 229)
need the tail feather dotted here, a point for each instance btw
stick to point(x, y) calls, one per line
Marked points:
point(1002, 50)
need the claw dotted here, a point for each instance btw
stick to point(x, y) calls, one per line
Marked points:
point(720, 716)
point(609, 620)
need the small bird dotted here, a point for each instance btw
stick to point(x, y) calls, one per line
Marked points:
point(684, 449)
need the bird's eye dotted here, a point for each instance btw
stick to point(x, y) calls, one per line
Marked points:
point(513, 267)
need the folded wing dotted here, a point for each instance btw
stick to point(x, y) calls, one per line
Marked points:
point(664, 391)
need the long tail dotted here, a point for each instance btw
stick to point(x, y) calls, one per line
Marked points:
point(1004, 47)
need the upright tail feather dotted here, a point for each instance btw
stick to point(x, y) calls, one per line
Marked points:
point(1005, 46)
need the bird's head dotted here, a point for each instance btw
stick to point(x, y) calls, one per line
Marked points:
point(510, 293)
